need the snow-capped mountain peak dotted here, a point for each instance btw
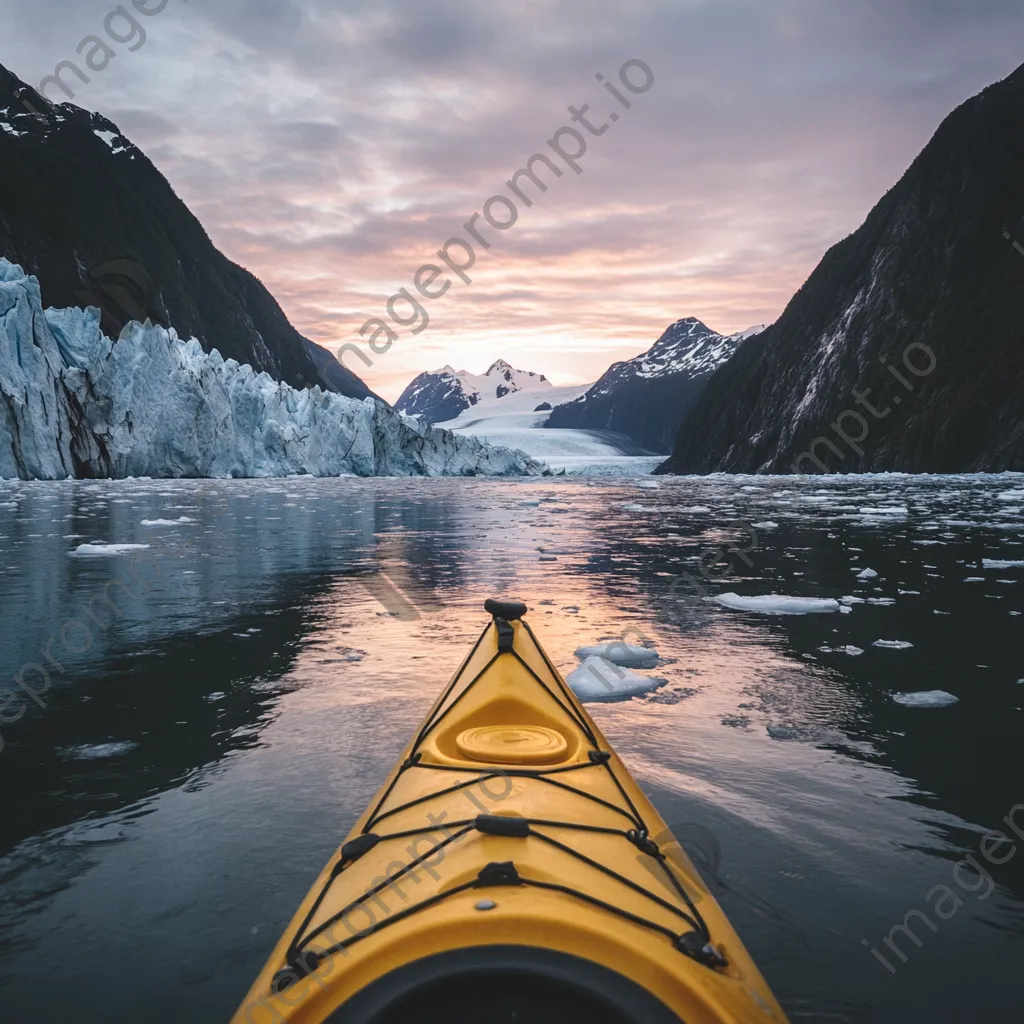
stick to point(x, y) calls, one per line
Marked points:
point(646, 396)
point(440, 395)
point(687, 346)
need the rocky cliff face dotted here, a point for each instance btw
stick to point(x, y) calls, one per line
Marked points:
point(905, 348)
point(647, 397)
point(85, 211)
point(74, 402)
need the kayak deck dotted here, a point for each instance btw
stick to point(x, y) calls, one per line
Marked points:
point(511, 843)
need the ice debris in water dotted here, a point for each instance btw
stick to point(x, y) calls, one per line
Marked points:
point(777, 604)
point(1002, 563)
point(96, 751)
point(621, 653)
point(925, 699)
point(766, 525)
point(893, 645)
point(649, 485)
point(866, 574)
point(102, 550)
point(848, 649)
point(166, 522)
point(597, 679)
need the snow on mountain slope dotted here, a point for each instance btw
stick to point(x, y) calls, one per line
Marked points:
point(647, 396)
point(440, 395)
point(75, 403)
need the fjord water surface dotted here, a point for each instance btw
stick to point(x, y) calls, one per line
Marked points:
point(269, 654)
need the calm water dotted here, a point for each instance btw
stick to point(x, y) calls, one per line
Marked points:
point(215, 737)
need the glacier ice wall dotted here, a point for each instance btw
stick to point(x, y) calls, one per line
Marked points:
point(75, 403)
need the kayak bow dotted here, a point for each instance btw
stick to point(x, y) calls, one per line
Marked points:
point(510, 869)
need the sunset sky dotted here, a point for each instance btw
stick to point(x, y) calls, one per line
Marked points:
point(332, 147)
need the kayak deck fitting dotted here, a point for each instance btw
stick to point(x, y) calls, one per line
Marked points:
point(506, 871)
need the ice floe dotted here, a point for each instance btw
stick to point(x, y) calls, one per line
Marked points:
point(925, 699)
point(166, 522)
point(96, 751)
point(620, 653)
point(867, 574)
point(893, 645)
point(103, 550)
point(777, 604)
point(1002, 563)
point(597, 679)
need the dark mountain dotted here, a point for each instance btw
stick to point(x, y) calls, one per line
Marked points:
point(647, 397)
point(905, 348)
point(440, 395)
point(85, 211)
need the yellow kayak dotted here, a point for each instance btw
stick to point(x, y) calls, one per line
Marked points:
point(506, 871)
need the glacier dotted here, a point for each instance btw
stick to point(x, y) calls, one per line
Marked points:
point(74, 403)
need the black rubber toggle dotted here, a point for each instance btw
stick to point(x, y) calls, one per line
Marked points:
point(499, 873)
point(502, 825)
point(510, 610)
point(355, 848)
point(298, 967)
point(644, 843)
point(694, 945)
point(599, 756)
point(412, 759)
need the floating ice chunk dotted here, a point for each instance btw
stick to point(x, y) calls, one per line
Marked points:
point(530, 504)
point(621, 653)
point(166, 522)
point(1000, 563)
point(886, 510)
point(881, 600)
point(848, 649)
point(845, 609)
point(866, 574)
point(777, 604)
point(95, 751)
point(597, 679)
point(848, 600)
point(925, 699)
point(649, 485)
point(893, 645)
point(1012, 496)
point(102, 550)
point(767, 525)
point(974, 579)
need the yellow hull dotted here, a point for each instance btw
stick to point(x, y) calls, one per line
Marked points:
point(508, 858)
